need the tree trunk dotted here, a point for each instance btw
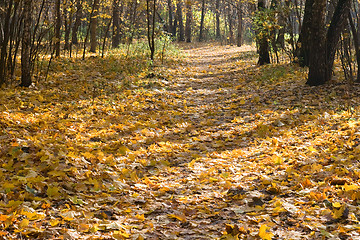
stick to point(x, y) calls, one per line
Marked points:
point(171, 17)
point(57, 27)
point(78, 16)
point(5, 42)
point(230, 20)
point(151, 14)
point(239, 39)
point(188, 23)
point(68, 22)
point(356, 45)
point(26, 45)
point(93, 27)
point(317, 53)
point(116, 24)
point(304, 41)
point(263, 44)
point(201, 37)
point(180, 20)
point(217, 17)
point(323, 47)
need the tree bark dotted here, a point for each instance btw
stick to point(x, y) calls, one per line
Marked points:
point(26, 45)
point(116, 24)
point(263, 44)
point(317, 53)
point(217, 17)
point(201, 37)
point(171, 18)
point(57, 28)
point(304, 42)
point(188, 23)
point(78, 16)
point(5, 43)
point(356, 45)
point(323, 48)
point(239, 39)
point(180, 20)
point(93, 27)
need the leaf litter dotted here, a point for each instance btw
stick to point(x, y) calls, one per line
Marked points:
point(212, 147)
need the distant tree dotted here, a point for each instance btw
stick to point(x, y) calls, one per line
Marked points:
point(57, 27)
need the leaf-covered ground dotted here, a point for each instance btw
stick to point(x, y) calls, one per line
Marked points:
point(210, 146)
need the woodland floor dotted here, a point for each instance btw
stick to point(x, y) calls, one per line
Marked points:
point(210, 146)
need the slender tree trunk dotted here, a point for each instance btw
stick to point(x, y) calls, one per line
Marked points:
point(116, 24)
point(356, 45)
point(26, 45)
point(179, 14)
point(68, 23)
point(239, 39)
point(151, 14)
point(188, 23)
point(263, 44)
point(217, 17)
point(78, 16)
point(230, 20)
point(93, 27)
point(202, 21)
point(57, 28)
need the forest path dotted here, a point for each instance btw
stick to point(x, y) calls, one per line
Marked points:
point(212, 146)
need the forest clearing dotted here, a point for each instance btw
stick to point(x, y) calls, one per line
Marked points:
point(208, 145)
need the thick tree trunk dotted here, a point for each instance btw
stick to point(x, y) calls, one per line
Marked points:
point(5, 44)
point(304, 41)
point(217, 17)
point(188, 23)
point(26, 45)
point(323, 48)
point(180, 20)
point(57, 27)
point(201, 37)
point(93, 27)
point(262, 41)
point(317, 53)
point(171, 17)
point(78, 16)
point(116, 24)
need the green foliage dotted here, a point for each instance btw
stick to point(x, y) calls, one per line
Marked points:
point(265, 23)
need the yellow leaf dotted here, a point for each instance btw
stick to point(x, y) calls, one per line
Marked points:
point(54, 222)
point(336, 205)
point(338, 212)
point(53, 191)
point(350, 187)
point(140, 217)
point(120, 235)
point(182, 218)
point(264, 234)
point(24, 223)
